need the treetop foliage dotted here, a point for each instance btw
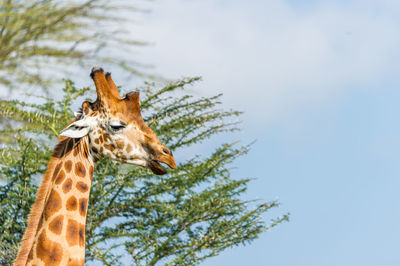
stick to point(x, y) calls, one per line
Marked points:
point(134, 217)
point(41, 39)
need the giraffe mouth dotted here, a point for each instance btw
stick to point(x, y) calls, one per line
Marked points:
point(156, 167)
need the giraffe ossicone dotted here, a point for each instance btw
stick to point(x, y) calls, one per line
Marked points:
point(111, 126)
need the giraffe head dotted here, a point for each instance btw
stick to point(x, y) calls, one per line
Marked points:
point(116, 129)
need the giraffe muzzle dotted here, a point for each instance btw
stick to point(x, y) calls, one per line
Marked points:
point(156, 167)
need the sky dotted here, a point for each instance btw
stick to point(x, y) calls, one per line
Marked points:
point(319, 84)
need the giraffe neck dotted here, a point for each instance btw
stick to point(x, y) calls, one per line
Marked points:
point(56, 227)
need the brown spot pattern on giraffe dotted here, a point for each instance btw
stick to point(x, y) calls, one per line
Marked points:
point(30, 256)
point(48, 251)
point(56, 224)
point(82, 235)
point(91, 170)
point(82, 187)
point(109, 147)
point(120, 144)
point(107, 137)
point(129, 148)
point(76, 262)
point(68, 166)
point(53, 204)
point(95, 150)
point(56, 170)
point(67, 185)
point(76, 150)
point(60, 177)
point(72, 234)
point(85, 151)
point(82, 206)
point(80, 169)
point(72, 203)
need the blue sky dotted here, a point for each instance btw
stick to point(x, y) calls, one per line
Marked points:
point(319, 83)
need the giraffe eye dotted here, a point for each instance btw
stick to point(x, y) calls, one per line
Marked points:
point(117, 127)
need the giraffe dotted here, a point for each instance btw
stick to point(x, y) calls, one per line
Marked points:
point(111, 127)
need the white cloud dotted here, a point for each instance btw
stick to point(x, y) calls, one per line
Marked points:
point(271, 58)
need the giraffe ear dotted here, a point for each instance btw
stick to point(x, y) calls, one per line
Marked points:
point(79, 129)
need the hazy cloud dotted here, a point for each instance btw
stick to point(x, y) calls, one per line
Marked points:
point(271, 58)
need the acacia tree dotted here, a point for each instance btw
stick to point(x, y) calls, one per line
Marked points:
point(42, 40)
point(134, 217)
